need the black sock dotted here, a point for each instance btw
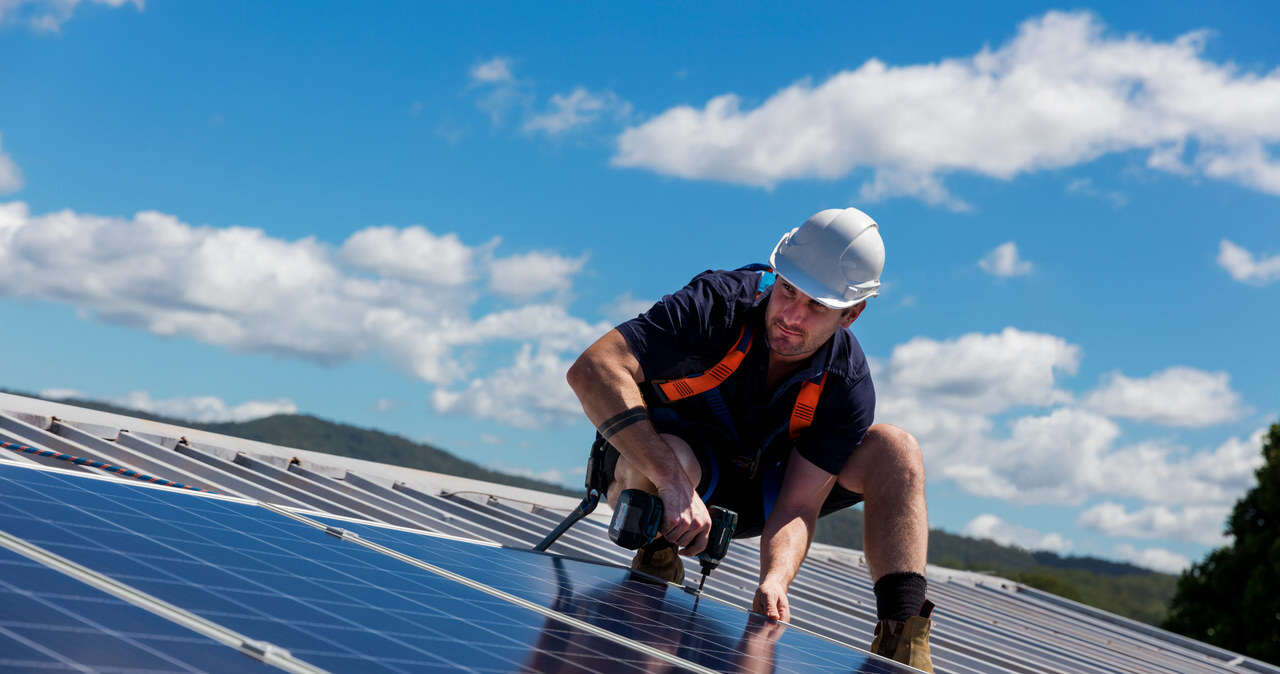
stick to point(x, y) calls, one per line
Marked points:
point(899, 595)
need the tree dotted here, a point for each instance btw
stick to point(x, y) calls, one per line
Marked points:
point(1232, 598)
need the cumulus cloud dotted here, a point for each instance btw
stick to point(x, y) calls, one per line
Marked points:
point(241, 289)
point(1004, 261)
point(533, 274)
point(1198, 524)
point(529, 394)
point(1061, 92)
point(1157, 559)
point(10, 174)
point(413, 254)
point(983, 372)
point(1245, 267)
point(49, 15)
point(203, 409)
point(1177, 396)
point(577, 108)
point(955, 395)
point(991, 527)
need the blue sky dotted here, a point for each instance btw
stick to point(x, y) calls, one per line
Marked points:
point(413, 217)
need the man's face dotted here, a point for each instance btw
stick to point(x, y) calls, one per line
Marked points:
point(798, 325)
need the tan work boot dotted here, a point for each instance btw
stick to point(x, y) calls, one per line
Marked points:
point(907, 642)
point(659, 559)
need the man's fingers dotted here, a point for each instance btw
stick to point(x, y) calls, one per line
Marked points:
point(697, 544)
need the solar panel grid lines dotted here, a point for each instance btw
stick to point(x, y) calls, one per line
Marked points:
point(226, 482)
point(592, 589)
point(308, 616)
point(154, 624)
point(464, 580)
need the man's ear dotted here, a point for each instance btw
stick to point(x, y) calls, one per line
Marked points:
point(853, 313)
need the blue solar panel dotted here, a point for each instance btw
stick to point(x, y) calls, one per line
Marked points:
point(711, 634)
point(343, 607)
point(50, 621)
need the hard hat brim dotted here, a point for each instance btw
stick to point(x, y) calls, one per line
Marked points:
point(808, 285)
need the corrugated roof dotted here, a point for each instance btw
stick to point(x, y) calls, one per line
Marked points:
point(982, 623)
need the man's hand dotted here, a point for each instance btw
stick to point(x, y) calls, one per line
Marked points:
point(685, 520)
point(771, 600)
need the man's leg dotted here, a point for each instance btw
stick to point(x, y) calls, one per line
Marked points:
point(888, 470)
point(659, 558)
point(627, 476)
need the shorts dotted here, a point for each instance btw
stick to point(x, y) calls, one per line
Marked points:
point(722, 483)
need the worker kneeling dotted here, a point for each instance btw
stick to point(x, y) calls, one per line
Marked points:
point(745, 390)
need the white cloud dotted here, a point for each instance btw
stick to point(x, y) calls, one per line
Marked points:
point(49, 15)
point(385, 404)
point(1157, 559)
point(501, 90)
point(413, 254)
point(983, 372)
point(531, 393)
point(1198, 524)
point(60, 393)
point(625, 307)
point(493, 71)
point(10, 174)
point(1177, 396)
point(531, 274)
point(202, 409)
point(993, 528)
point(577, 108)
point(490, 439)
point(1245, 267)
point(1061, 92)
point(1085, 187)
point(241, 289)
point(1004, 261)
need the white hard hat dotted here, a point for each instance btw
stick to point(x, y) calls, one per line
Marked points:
point(835, 257)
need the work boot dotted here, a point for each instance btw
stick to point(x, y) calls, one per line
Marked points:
point(659, 559)
point(907, 642)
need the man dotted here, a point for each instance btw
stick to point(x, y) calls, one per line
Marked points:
point(744, 389)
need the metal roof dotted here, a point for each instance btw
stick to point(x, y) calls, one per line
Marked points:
point(982, 623)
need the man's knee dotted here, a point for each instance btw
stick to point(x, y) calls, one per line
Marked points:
point(888, 455)
point(627, 475)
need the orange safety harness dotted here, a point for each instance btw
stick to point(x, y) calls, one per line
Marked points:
point(672, 390)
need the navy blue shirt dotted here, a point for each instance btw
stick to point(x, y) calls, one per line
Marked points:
point(690, 331)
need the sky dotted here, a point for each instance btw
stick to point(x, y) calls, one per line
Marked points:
point(414, 216)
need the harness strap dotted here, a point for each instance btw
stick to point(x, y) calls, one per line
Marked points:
point(687, 387)
point(806, 404)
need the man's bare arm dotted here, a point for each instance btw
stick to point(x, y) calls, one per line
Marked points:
point(788, 533)
point(606, 379)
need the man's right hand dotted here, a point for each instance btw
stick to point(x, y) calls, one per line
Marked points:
point(685, 520)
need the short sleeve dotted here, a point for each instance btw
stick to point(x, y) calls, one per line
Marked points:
point(844, 414)
point(691, 324)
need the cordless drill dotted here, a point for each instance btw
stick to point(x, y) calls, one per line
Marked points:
point(638, 517)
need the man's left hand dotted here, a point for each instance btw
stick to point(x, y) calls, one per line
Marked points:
point(771, 600)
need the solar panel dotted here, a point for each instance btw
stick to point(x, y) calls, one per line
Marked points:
point(345, 607)
point(50, 621)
